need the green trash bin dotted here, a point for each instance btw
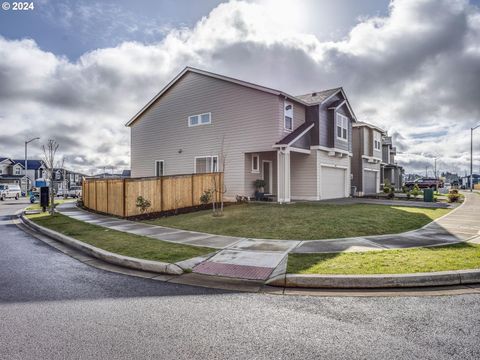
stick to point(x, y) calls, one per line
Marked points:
point(428, 195)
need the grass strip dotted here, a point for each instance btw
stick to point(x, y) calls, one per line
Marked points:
point(117, 241)
point(441, 258)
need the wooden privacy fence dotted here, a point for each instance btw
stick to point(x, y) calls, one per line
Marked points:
point(119, 196)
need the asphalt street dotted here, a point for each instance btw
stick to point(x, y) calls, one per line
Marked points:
point(55, 307)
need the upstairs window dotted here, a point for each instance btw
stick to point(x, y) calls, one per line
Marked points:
point(377, 142)
point(159, 168)
point(206, 164)
point(200, 119)
point(342, 127)
point(17, 171)
point(288, 116)
point(255, 164)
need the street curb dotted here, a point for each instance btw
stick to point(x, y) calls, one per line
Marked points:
point(112, 258)
point(442, 278)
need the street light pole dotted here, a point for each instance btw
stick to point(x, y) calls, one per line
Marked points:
point(26, 160)
point(471, 156)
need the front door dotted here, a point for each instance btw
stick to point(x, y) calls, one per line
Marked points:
point(267, 176)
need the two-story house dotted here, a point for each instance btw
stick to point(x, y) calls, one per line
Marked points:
point(391, 172)
point(13, 172)
point(367, 158)
point(204, 122)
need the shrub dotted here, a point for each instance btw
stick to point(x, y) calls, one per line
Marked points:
point(405, 189)
point(259, 183)
point(453, 196)
point(409, 194)
point(416, 191)
point(143, 204)
point(391, 194)
point(386, 189)
point(206, 197)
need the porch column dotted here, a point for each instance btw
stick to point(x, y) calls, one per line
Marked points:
point(283, 175)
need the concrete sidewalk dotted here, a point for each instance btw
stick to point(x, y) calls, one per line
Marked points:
point(259, 259)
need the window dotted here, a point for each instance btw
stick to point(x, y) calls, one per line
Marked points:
point(200, 119)
point(288, 116)
point(17, 171)
point(206, 164)
point(342, 127)
point(58, 175)
point(1, 171)
point(159, 168)
point(255, 164)
point(377, 143)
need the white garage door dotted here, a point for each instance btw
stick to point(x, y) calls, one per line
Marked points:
point(332, 183)
point(369, 182)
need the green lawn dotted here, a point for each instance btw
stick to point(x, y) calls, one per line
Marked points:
point(304, 220)
point(451, 257)
point(119, 242)
point(36, 206)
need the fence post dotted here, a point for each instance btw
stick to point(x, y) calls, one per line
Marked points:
point(107, 196)
point(161, 193)
point(124, 199)
point(192, 189)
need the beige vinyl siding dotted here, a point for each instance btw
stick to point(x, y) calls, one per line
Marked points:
point(303, 178)
point(250, 176)
point(248, 120)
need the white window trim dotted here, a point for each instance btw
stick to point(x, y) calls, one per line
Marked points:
point(200, 119)
point(285, 104)
point(156, 167)
point(201, 157)
point(377, 139)
point(270, 175)
point(257, 170)
point(343, 117)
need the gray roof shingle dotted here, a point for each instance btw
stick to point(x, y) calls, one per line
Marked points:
point(318, 96)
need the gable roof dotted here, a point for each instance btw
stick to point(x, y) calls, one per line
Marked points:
point(318, 97)
point(2, 159)
point(32, 164)
point(296, 134)
point(371, 126)
point(306, 100)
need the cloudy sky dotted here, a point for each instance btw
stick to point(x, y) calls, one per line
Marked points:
point(76, 71)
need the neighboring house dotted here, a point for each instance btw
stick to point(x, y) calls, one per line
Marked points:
point(105, 175)
point(465, 181)
point(64, 179)
point(36, 169)
point(367, 158)
point(390, 171)
point(7, 173)
point(204, 122)
point(13, 171)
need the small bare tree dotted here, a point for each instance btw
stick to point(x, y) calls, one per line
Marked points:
point(220, 188)
point(49, 152)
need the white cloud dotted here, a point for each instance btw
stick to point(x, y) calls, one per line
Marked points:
point(415, 73)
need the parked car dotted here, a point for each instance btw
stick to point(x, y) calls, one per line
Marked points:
point(425, 183)
point(9, 191)
point(74, 192)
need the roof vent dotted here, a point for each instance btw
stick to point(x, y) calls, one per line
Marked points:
point(314, 94)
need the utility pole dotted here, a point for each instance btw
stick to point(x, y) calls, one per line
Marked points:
point(26, 162)
point(471, 156)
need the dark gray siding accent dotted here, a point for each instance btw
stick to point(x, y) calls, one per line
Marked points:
point(358, 146)
point(304, 142)
point(311, 115)
point(327, 126)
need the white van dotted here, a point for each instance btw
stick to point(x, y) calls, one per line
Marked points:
point(9, 191)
